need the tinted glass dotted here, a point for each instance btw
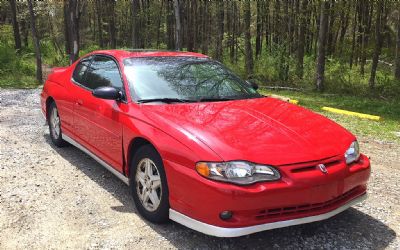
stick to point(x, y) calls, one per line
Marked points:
point(184, 78)
point(80, 70)
point(103, 72)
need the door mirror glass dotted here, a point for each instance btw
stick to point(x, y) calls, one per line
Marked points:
point(109, 93)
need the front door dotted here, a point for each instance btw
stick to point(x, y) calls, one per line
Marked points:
point(97, 121)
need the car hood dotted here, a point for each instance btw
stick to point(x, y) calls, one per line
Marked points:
point(261, 130)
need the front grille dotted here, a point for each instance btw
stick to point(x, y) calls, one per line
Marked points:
point(313, 167)
point(306, 208)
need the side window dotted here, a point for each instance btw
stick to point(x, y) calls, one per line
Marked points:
point(103, 72)
point(80, 70)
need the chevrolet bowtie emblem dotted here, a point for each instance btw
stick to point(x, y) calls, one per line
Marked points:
point(322, 168)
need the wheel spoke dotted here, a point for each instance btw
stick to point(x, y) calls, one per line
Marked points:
point(140, 178)
point(156, 183)
point(154, 198)
point(149, 169)
point(146, 194)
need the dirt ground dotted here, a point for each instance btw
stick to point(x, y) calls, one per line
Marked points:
point(61, 198)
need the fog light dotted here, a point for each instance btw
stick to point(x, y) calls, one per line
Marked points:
point(225, 215)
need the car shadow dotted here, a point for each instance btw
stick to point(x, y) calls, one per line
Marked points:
point(348, 230)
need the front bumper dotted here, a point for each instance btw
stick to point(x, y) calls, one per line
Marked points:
point(236, 232)
point(304, 194)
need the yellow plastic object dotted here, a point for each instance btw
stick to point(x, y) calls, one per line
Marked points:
point(345, 112)
point(286, 99)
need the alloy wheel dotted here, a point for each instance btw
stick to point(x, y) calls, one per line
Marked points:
point(55, 123)
point(148, 184)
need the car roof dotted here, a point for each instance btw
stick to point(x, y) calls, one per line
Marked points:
point(122, 54)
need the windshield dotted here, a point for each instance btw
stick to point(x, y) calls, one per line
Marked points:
point(183, 79)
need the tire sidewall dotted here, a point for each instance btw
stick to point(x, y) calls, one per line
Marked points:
point(161, 214)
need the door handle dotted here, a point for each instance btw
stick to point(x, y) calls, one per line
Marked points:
point(79, 102)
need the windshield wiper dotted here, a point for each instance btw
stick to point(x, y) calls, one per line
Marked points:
point(215, 99)
point(165, 100)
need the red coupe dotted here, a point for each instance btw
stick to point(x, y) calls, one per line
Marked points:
point(198, 145)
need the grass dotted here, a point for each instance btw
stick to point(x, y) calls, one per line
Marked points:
point(383, 130)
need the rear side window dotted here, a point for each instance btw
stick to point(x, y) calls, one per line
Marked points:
point(103, 72)
point(80, 70)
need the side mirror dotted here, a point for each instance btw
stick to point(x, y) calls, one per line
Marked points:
point(109, 93)
point(252, 84)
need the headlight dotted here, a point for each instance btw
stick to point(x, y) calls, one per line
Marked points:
point(238, 172)
point(353, 153)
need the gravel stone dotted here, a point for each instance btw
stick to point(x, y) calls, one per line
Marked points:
point(60, 198)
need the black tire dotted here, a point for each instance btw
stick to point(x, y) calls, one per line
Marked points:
point(56, 137)
point(161, 213)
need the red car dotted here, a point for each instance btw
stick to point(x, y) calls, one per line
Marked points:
point(198, 145)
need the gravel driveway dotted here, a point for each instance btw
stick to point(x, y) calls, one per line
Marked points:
point(61, 198)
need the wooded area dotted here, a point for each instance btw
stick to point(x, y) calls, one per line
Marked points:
point(336, 45)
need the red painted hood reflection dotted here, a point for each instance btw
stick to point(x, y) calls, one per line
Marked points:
point(262, 130)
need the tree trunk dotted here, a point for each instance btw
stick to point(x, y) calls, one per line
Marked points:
point(189, 25)
point(323, 26)
point(67, 39)
point(259, 29)
point(112, 33)
point(36, 43)
point(300, 47)
point(247, 40)
point(367, 17)
point(397, 67)
point(170, 26)
point(378, 42)
point(135, 24)
point(205, 31)
point(99, 14)
point(267, 26)
point(220, 31)
point(177, 25)
point(73, 30)
point(159, 23)
point(344, 23)
point(233, 39)
point(17, 37)
point(354, 40)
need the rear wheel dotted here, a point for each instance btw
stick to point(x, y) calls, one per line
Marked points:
point(149, 185)
point(54, 122)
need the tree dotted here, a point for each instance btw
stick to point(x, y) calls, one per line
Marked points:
point(259, 23)
point(17, 37)
point(247, 40)
point(111, 26)
point(178, 40)
point(67, 39)
point(300, 45)
point(380, 21)
point(99, 13)
point(397, 63)
point(73, 30)
point(36, 42)
point(220, 31)
point(323, 26)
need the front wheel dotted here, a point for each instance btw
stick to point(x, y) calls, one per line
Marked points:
point(149, 185)
point(55, 126)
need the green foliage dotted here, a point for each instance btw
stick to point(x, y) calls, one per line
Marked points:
point(277, 69)
point(16, 69)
